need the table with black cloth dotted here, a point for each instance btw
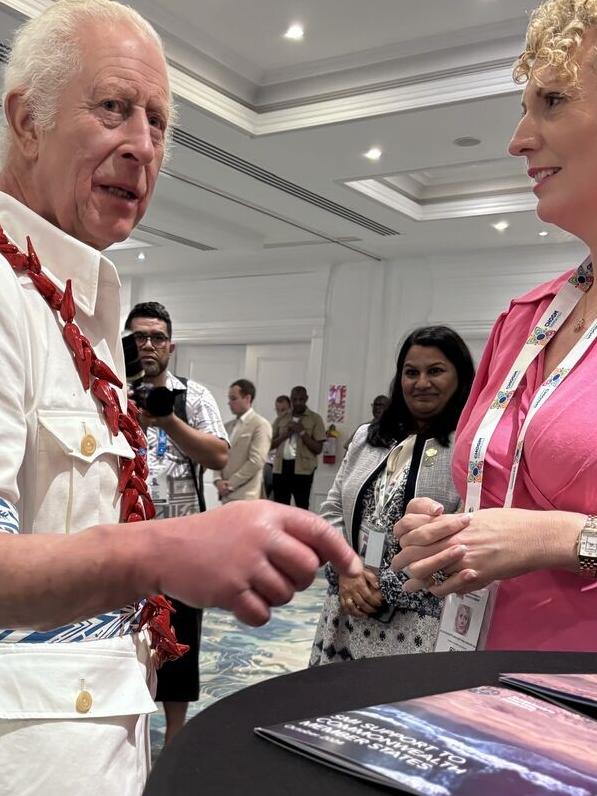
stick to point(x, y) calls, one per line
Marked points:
point(218, 753)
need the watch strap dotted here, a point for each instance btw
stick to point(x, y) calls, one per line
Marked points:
point(586, 548)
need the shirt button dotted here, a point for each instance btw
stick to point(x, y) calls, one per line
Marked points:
point(88, 445)
point(84, 702)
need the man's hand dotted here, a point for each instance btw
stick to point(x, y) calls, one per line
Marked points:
point(200, 446)
point(223, 487)
point(146, 420)
point(244, 557)
point(359, 596)
point(294, 427)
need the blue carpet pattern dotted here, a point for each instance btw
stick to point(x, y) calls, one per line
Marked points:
point(234, 656)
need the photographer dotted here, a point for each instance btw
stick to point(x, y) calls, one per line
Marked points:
point(184, 433)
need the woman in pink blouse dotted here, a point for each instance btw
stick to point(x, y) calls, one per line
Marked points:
point(541, 549)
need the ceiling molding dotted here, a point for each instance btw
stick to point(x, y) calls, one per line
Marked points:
point(28, 8)
point(452, 86)
point(413, 94)
point(213, 101)
point(251, 332)
point(476, 205)
point(372, 86)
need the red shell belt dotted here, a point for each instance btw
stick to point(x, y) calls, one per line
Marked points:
point(136, 503)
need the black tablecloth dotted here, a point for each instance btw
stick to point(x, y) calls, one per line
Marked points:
point(217, 752)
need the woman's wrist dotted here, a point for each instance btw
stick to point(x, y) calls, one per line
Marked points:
point(559, 539)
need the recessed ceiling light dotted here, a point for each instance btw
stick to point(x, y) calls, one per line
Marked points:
point(501, 225)
point(544, 233)
point(295, 32)
point(467, 140)
point(141, 256)
point(373, 154)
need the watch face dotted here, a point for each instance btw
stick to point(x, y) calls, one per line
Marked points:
point(588, 545)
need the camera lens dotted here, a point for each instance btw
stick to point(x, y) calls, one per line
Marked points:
point(134, 368)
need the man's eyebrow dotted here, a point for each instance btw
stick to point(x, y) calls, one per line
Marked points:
point(156, 102)
point(114, 87)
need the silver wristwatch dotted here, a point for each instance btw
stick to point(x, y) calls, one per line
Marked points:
point(586, 548)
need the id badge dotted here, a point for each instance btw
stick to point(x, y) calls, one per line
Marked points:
point(158, 487)
point(374, 543)
point(465, 621)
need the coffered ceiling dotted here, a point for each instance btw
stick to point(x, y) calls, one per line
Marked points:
point(268, 166)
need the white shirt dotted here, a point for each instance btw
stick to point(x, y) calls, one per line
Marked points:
point(290, 445)
point(47, 484)
point(238, 424)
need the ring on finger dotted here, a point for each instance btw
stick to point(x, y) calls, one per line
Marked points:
point(349, 601)
point(439, 577)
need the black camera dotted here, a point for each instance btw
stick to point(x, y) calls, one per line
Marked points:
point(156, 401)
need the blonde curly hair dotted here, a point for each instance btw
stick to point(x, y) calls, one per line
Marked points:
point(555, 33)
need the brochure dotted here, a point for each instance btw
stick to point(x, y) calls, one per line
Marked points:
point(488, 740)
point(578, 691)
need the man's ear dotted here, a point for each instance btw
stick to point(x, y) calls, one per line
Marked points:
point(172, 347)
point(20, 121)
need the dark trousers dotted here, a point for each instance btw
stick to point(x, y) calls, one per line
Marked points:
point(287, 484)
point(178, 681)
point(268, 479)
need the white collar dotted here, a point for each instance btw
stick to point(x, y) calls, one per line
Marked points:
point(173, 383)
point(62, 257)
point(246, 416)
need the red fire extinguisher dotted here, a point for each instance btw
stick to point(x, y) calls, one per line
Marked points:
point(330, 445)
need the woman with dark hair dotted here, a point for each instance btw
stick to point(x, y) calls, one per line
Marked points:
point(405, 453)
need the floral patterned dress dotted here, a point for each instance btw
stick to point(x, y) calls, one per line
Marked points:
point(408, 622)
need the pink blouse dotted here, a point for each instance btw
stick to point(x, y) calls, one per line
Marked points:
point(550, 609)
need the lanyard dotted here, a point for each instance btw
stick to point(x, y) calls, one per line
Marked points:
point(162, 443)
point(389, 481)
point(549, 323)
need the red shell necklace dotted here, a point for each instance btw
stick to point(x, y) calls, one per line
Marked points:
point(136, 503)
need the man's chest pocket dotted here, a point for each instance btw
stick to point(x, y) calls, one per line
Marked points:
point(76, 471)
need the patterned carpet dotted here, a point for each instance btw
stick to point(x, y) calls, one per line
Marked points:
point(234, 656)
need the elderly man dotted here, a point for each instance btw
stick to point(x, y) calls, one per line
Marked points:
point(87, 104)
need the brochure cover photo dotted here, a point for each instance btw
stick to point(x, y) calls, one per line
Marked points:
point(578, 691)
point(487, 740)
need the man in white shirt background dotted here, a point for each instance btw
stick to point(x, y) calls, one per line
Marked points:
point(250, 439)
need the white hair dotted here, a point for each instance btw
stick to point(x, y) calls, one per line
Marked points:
point(46, 53)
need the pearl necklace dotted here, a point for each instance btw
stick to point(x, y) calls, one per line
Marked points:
point(136, 503)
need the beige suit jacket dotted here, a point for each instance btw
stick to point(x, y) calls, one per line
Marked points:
point(250, 444)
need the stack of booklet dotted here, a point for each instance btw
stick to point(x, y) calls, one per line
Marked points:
point(530, 738)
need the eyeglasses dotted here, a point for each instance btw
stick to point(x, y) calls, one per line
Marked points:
point(157, 339)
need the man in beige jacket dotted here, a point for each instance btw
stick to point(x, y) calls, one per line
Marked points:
point(250, 439)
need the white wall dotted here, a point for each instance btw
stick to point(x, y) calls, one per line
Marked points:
point(352, 317)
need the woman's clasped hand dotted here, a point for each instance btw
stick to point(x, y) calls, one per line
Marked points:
point(359, 596)
point(477, 548)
